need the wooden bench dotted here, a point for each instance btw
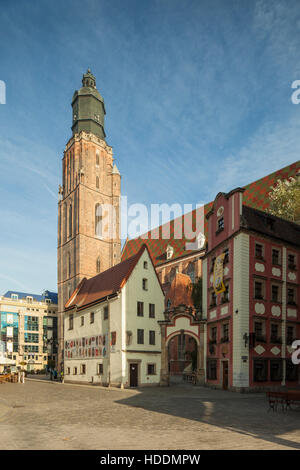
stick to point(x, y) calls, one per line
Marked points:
point(275, 399)
point(284, 399)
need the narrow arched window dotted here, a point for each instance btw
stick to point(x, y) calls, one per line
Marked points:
point(97, 182)
point(70, 221)
point(65, 223)
point(69, 265)
point(97, 159)
point(98, 265)
point(191, 272)
point(98, 220)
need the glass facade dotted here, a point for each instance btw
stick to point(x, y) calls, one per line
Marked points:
point(9, 331)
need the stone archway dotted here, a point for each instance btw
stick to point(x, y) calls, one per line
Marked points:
point(182, 351)
point(184, 323)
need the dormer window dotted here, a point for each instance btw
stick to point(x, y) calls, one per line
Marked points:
point(14, 296)
point(201, 241)
point(170, 252)
point(48, 301)
point(29, 299)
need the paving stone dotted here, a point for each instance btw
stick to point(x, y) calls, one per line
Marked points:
point(45, 415)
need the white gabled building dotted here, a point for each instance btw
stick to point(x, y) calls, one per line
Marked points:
point(111, 330)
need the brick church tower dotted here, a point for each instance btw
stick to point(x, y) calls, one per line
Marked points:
point(89, 200)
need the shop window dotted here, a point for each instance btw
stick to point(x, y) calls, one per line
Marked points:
point(275, 370)
point(290, 335)
point(92, 317)
point(260, 370)
point(82, 369)
point(291, 371)
point(99, 369)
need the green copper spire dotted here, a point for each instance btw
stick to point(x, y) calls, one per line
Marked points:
point(88, 108)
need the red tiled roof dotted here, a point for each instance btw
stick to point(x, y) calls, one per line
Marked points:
point(255, 196)
point(105, 284)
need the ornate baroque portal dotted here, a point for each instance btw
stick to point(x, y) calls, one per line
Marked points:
point(182, 346)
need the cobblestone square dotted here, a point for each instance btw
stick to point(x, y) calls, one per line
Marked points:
point(45, 415)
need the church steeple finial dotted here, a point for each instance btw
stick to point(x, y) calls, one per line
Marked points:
point(88, 79)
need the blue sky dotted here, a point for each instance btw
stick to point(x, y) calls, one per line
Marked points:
point(197, 94)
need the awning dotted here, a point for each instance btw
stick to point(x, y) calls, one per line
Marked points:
point(5, 361)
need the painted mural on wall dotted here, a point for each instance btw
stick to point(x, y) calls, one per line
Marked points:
point(85, 347)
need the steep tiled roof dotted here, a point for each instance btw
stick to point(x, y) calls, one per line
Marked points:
point(255, 196)
point(106, 284)
point(271, 225)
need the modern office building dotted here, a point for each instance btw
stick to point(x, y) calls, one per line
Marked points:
point(29, 329)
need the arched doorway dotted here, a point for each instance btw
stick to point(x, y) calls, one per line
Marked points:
point(182, 357)
point(182, 346)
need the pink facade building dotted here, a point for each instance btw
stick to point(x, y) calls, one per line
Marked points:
point(253, 322)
